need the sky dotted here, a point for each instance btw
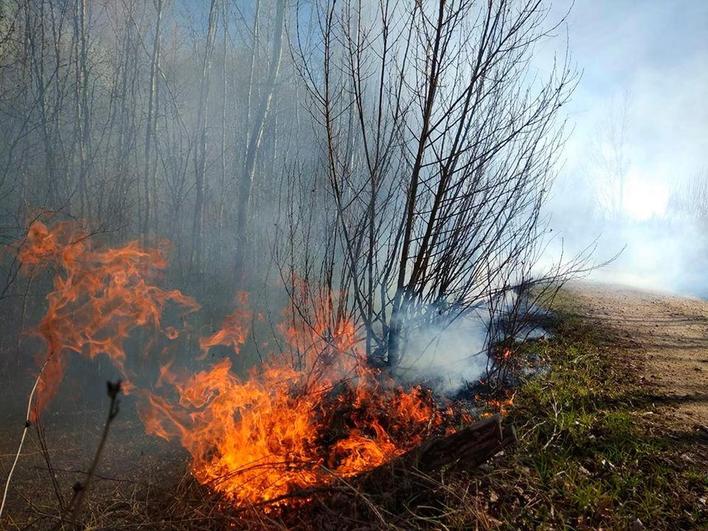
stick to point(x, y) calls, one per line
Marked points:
point(646, 60)
point(643, 64)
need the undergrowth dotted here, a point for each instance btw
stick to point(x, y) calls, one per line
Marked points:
point(593, 451)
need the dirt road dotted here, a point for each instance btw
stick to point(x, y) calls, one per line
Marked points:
point(669, 337)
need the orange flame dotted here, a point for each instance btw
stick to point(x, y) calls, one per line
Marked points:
point(500, 406)
point(234, 331)
point(283, 428)
point(99, 297)
point(300, 419)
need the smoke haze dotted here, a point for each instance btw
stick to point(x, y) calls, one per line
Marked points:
point(636, 153)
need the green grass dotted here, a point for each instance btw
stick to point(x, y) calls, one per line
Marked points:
point(587, 455)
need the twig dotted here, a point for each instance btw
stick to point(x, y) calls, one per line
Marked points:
point(50, 467)
point(28, 423)
point(80, 489)
point(359, 494)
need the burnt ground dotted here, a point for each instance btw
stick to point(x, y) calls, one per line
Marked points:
point(133, 465)
point(667, 334)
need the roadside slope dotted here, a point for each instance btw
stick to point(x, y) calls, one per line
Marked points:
point(668, 335)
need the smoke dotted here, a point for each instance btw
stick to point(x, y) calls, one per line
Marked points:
point(446, 355)
point(636, 143)
point(654, 235)
point(639, 138)
point(667, 253)
point(455, 350)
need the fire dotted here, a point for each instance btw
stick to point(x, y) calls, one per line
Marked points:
point(501, 406)
point(99, 297)
point(234, 332)
point(291, 426)
point(302, 418)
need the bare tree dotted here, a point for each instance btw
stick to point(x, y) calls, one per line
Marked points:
point(255, 136)
point(437, 147)
point(690, 199)
point(202, 142)
point(82, 109)
point(150, 187)
point(612, 161)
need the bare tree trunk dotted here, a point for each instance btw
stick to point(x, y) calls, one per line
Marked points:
point(399, 300)
point(125, 93)
point(222, 159)
point(246, 184)
point(82, 107)
point(59, 156)
point(151, 127)
point(195, 262)
point(36, 41)
point(251, 74)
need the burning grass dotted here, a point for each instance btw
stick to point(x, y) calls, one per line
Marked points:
point(304, 418)
point(292, 444)
point(586, 457)
point(259, 439)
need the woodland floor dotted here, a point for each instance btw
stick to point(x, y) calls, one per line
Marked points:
point(614, 436)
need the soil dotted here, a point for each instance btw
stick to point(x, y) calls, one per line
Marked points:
point(667, 335)
point(133, 465)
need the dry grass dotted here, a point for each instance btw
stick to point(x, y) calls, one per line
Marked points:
point(589, 455)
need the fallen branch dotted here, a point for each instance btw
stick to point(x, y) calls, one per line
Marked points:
point(470, 446)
